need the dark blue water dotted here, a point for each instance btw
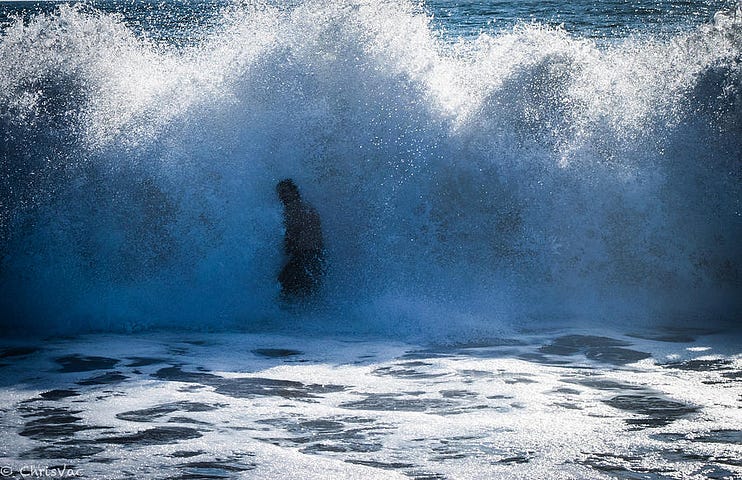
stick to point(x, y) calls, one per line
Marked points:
point(185, 21)
point(601, 19)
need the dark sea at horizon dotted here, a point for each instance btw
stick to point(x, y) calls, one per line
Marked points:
point(185, 21)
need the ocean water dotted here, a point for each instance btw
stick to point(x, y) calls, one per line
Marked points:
point(471, 175)
point(532, 219)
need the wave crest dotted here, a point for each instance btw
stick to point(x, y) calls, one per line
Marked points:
point(532, 174)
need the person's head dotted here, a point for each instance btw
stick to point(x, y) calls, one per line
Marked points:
point(287, 190)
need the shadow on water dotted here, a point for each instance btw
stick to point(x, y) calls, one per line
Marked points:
point(153, 436)
point(248, 387)
point(656, 410)
point(276, 352)
point(150, 414)
point(82, 363)
point(600, 349)
point(18, 352)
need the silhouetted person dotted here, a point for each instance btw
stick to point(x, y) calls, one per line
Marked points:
point(303, 244)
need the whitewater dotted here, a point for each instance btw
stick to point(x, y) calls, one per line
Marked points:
point(532, 230)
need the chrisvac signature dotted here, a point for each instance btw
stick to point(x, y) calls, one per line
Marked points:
point(38, 471)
